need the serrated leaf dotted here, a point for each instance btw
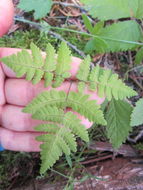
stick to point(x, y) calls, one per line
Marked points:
point(121, 36)
point(59, 137)
point(84, 69)
point(97, 44)
point(137, 114)
point(111, 9)
point(64, 59)
point(40, 7)
point(108, 84)
point(139, 13)
point(87, 23)
point(118, 122)
point(139, 56)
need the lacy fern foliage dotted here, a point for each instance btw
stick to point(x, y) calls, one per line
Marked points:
point(58, 108)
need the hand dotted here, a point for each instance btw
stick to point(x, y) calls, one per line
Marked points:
point(17, 128)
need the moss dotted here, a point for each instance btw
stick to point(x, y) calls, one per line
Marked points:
point(22, 39)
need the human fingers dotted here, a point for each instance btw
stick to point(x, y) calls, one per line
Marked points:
point(9, 51)
point(19, 141)
point(2, 77)
point(14, 119)
point(20, 92)
point(6, 15)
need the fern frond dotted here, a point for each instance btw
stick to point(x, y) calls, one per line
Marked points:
point(77, 101)
point(60, 138)
point(46, 98)
point(88, 108)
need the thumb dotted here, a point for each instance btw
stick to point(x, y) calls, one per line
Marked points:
point(6, 15)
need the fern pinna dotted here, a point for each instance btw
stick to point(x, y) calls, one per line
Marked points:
point(63, 126)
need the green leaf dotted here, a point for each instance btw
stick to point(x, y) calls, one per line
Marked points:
point(83, 72)
point(40, 7)
point(63, 65)
point(139, 56)
point(120, 36)
point(111, 9)
point(87, 23)
point(59, 137)
point(137, 114)
point(77, 101)
point(139, 13)
point(108, 84)
point(118, 122)
point(97, 44)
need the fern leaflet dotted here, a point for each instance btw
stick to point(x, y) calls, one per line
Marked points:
point(107, 84)
point(77, 101)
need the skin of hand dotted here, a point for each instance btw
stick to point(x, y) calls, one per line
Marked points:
point(17, 128)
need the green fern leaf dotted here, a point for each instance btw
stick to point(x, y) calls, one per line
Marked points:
point(46, 98)
point(50, 65)
point(111, 9)
point(118, 122)
point(77, 101)
point(88, 108)
point(63, 64)
point(83, 73)
point(137, 114)
point(108, 84)
point(60, 138)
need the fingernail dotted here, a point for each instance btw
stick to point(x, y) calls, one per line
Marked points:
point(1, 148)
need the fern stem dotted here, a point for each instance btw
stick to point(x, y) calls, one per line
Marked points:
point(20, 19)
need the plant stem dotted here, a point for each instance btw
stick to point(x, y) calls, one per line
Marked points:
point(75, 31)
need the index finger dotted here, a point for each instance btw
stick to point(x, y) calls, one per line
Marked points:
point(9, 73)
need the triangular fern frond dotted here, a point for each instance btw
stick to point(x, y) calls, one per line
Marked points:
point(35, 67)
point(60, 138)
point(77, 101)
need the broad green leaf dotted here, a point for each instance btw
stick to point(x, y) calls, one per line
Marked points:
point(97, 44)
point(40, 7)
point(137, 114)
point(121, 36)
point(139, 56)
point(118, 122)
point(87, 23)
point(111, 9)
point(139, 13)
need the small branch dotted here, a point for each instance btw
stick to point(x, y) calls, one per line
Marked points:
point(56, 35)
point(136, 81)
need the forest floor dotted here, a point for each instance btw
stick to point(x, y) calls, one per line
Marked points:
point(96, 166)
